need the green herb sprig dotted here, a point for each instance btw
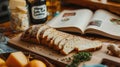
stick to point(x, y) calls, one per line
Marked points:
point(80, 57)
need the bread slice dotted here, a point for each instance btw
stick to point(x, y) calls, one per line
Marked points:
point(58, 39)
point(42, 29)
point(39, 31)
point(64, 41)
point(80, 44)
point(88, 45)
point(47, 35)
point(55, 35)
point(69, 46)
point(51, 37)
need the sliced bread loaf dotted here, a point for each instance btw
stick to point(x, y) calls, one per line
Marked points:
point(61, 41)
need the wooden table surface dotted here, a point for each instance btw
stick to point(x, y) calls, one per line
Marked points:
point(8, 32)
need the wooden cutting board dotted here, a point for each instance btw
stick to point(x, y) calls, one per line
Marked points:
point(57, 57)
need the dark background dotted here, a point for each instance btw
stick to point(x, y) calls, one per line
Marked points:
point(4, 11)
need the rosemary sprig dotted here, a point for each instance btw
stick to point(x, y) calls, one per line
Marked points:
point(80, 57)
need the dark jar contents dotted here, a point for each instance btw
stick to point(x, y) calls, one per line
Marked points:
point(37, 11)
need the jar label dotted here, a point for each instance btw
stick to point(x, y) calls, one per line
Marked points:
point(39, 12)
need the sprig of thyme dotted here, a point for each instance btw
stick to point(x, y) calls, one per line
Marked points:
point(80, 57)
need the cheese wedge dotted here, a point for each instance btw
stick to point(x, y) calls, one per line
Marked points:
point(17, 59)
point(2, 62)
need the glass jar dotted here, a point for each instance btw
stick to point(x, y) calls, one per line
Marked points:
point(18, 15)
point(37, 11)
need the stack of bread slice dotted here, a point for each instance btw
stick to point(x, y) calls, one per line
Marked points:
point(58, 40)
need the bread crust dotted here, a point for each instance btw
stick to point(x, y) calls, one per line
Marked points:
point(26, 36)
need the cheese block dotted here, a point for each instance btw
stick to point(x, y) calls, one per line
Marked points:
point(19, 15)
point(19, 21)
point(2, 62)
point(15, 3)
point(21, 9)
point(17, 59)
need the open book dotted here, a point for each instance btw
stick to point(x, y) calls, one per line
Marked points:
point(84, 21)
